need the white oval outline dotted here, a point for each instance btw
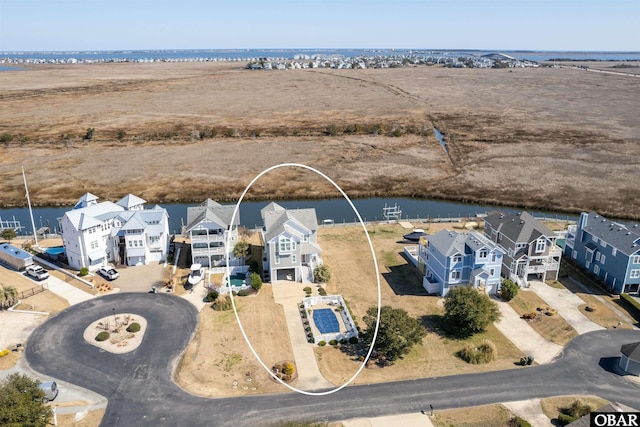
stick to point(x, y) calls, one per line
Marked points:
point(375, 263)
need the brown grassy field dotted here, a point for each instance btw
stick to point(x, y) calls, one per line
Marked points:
point(348, 256)
point(477, 416)
point(528, 137)
point(551, 406)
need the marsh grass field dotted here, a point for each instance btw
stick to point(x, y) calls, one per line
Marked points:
point(553, 138)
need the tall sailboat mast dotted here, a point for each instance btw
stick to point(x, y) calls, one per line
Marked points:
point(33, 225)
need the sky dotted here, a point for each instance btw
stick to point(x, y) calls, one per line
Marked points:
point(71, 25)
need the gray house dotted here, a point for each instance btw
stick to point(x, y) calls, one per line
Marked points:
point(630, 358)
point(290, 238)
point(209, 224)
point(530, 246)
point(608, 249)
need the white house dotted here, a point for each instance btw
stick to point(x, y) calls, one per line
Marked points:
point(291, 250)
point(94, 234)
point(209, 224)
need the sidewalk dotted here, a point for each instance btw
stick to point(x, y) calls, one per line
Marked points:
point(530, 410)
point(523, 336)
point(289, 295)
point(72, 294)
point(566, 302)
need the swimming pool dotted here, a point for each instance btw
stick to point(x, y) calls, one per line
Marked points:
point(237, 280)
point(326, 321)
point(56, 250)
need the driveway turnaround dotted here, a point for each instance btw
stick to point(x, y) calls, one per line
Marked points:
point(141, 392)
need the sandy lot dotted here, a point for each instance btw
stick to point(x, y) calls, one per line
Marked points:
point(530, 137)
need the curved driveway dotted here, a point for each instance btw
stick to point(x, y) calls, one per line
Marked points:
point(141, 392)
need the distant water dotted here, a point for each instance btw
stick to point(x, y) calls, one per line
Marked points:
point(245, 54)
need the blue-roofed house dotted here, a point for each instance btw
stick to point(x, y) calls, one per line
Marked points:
point(608, 249)
point(97, 233)
point(448, 259)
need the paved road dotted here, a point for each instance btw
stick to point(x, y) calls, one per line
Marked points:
point(140, 391)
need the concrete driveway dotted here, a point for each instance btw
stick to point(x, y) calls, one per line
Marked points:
point(566, 302)
point(139, 278)
point(523, 336)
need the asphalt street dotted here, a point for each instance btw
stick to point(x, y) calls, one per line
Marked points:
point(140, 389)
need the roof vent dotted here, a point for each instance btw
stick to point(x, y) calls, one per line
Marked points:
point(521, 222)
point(635, 225)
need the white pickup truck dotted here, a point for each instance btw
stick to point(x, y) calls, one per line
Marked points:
point(37, 272)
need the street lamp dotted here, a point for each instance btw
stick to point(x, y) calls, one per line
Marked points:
point(115, 319)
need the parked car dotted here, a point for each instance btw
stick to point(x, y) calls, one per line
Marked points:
point(109, 273)
point(50, 389)
point(37, 272)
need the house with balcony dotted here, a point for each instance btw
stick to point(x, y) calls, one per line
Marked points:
point(123, 233)
point(530, 246)
point(208, 227)
point(448, 259)
point(291, 243)
point(608, 249)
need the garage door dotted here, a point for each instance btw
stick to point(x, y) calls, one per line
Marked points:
point(286, 274)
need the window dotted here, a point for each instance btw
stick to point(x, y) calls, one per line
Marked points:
point(305, 238)
point(483, 253)
point(636, 259)
point(597, 256)
point(614, 251)
point(587, 263)
point(492, 272)
point(276, 260)
point(293, 259)
point(603, 258)
point(140, 243)
point(130, 243)
point(603, 243)
point(493, 257)
point(455, 275)
point(94, 244)
point(634, 274)
point(574, 254)
point(541, 244)
point(594, 238)
point(596, 269)
point(287, 245)
point(457, 258)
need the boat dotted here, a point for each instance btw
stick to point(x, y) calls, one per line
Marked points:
point(196, 274)
point(415, 235)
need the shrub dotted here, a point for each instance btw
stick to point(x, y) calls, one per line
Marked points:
point(590, 308)
point(211, 296)
point(516, 421)
point(321, 274)
point(332, 130)
point(577, 409)
point(322, 292)
point(102, 336)
point(397, 132)
point(322, 343)
point(244, 293)
point(222, 304)
point(121, 134)
point(508, 290)
point(484, 353)
point(333, 342)
point(288, 368)
point(631, 303)
point(343, 341)
point(89, 133)
point(6, 137)
point(564, 419)
point(353, 340)
point(256, 281)
point(83, 271)
point(134, 327)
point(307, 289)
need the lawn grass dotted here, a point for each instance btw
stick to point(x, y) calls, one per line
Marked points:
point(552, 406)
point(553, 328)
point(478, 416)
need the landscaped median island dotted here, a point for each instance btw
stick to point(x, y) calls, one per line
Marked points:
point(117, 333)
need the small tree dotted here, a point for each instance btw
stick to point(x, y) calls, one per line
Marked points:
point(256, 281)
point(121, 134)
point(398, 331)
point(241, 250)
point(89, 133)
point(8, 234)
point(8, 296)
point(321, 274)
point(467, 311)
point(22, 402)
point(508, 290)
